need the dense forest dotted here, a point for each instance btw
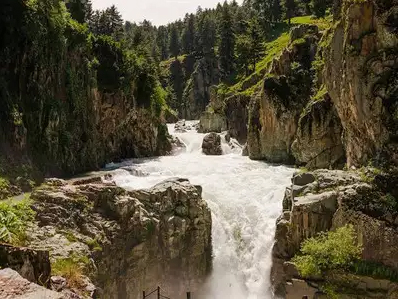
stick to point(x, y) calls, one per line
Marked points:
point(65, 66)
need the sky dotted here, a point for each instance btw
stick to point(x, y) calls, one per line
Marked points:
point(159, 12)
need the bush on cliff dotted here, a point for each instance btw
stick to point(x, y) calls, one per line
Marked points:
point(328, 251)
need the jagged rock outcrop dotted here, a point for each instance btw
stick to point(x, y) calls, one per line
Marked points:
point(236, 112)
point(131, 240)
point(275, 112)
point(325, 200)
point(361, 74)
point(212, 144)
point(197, 92)
point(318, 142)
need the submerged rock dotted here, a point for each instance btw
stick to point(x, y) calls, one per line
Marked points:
point(131, 240)
point(212, 145)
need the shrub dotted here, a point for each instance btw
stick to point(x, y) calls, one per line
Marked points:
point(13, 221)
point(328, 251)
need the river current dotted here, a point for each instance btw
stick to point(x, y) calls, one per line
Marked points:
point(245, 198)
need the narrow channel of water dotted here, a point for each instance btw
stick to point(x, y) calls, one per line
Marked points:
point(245, 199)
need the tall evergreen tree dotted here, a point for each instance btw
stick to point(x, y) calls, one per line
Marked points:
point(174, 42)
point(207, 35)
point(80, 10)
point(276, 11)
point(227, 42)
point(319, 7)
point(162, 42)
point(290, 6)
point(256, 46)
point(188, 35)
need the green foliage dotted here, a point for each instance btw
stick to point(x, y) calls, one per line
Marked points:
point(328, 251)
point(174, 43)
point(14, 218)
point(227, 43)
point(94, 245)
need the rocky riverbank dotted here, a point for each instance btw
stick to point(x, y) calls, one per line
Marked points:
point(123, 241)
point(326, 200)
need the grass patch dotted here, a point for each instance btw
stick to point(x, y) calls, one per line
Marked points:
point(322, 23)
point(328, 251)
point(73, 269)
point(14, 218)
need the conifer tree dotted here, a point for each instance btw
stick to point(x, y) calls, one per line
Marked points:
point(174, 42)
point(188, 35)
point(290, 6)
point(227, 42)
point(319, 8)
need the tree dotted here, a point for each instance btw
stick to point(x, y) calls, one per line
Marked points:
point(276, 11)
point(174, 42)
point(256, 46)
point(188, 35)
point(319, 8)
point(207, 35)
point(243, 53)
point(107, 22)
point(290, 6)
point(161, 41)
point(227, 43)
point(80, 10)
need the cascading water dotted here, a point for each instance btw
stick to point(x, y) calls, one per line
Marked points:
point(245, 199)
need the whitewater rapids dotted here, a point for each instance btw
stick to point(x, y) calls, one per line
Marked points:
point(245, 199)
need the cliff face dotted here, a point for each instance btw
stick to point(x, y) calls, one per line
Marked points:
point(275, 112)
point(361, 77)
point(133, 239)
point(71, 101)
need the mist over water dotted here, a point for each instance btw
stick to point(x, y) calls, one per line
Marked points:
point(245, 199)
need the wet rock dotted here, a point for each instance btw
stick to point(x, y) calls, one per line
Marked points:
point(212, 144)
point(245, 151)
point(180, 126)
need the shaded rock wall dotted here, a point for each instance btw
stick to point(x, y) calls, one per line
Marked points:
point(361, 77)
point(274, 115)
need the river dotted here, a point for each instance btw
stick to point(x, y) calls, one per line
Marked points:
point(245, 198)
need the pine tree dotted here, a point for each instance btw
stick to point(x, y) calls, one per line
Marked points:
point(174, 42)
point(319, 8)
point(243, 45)
point(80, 10)
point(276, 11)
point(290, 6)
point(256, 46)
point(162, 42)
point(207, 35)
point(188, 35)
point(227, 43)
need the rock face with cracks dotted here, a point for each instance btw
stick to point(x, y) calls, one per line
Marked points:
point(129, 240)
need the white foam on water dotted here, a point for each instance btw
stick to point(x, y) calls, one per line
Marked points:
point(245, 198)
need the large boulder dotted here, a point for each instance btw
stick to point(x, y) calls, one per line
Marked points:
point(159, 234)
point(212, 144)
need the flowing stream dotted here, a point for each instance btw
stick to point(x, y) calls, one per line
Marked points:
point(245, 199)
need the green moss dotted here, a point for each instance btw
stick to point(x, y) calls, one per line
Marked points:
point(94, 245)
point(375, 270)
point(14, 219)
point(70, 236)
